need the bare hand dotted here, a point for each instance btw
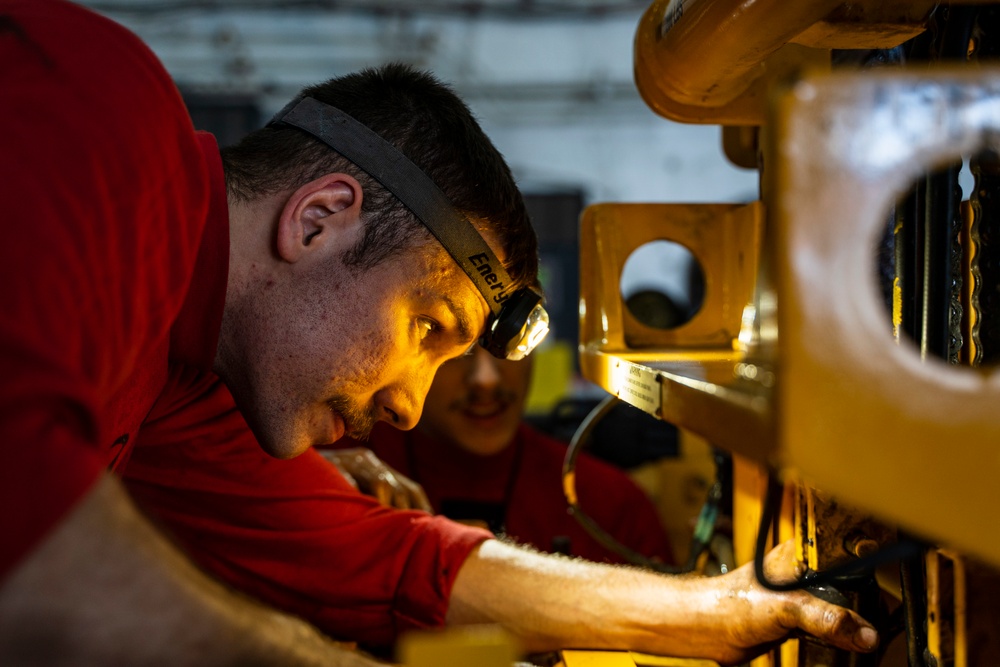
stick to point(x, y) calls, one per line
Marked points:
point(370, 475)
point(755, 618)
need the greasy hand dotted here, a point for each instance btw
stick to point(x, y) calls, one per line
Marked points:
point(367, 473)
point(756, 618)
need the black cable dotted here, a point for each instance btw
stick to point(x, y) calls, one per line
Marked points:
point(902, 549)
point(580, 437)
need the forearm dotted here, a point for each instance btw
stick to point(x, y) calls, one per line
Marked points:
point(550, 602)
point(106, 588)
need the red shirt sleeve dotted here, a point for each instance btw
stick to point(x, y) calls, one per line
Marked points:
point(98, 165)
point(293, 532)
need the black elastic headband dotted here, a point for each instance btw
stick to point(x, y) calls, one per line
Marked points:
point(400, 176)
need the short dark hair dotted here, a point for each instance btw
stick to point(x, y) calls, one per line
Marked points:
point(427, 122)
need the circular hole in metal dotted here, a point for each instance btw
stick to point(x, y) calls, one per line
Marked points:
point(935, 269)
point(662, 284)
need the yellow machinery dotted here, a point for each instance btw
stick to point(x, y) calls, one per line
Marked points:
point(862, 402)
point(844, 351)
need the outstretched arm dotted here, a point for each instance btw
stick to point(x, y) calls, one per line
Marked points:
point(551, 602)
point(106, 588)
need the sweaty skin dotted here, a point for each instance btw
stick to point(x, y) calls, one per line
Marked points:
point(551, 602)
point(312, 349)
point(475, 403)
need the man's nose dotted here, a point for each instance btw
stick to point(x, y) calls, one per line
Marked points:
point(483, 370)
point(402, 402)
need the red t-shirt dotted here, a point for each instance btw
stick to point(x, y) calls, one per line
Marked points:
point(105, 194)
point(291, 532)
point(115, 258)
point(524, 484)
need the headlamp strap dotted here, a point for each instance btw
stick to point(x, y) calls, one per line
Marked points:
point(408, 182)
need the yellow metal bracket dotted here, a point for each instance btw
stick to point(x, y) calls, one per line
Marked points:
point(837, 399)
point(696, 375)
point(626, 659)
point(859, 415)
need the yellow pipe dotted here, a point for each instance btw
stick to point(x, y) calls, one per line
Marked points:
point(716, 48)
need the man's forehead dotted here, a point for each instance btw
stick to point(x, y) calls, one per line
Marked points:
point(454, 273)
point(470, 324)
point(460, 295)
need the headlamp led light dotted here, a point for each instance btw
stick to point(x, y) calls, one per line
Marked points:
point(518, 322)
point(520, 326)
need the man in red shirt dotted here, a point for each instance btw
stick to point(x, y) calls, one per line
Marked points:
point(479, 463)
point(172, 314)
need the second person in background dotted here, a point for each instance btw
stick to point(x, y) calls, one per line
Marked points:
point(480, 463)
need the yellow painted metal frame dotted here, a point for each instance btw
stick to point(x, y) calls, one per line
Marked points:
point(860, 416)
point(838, 401)
point(626, 659)
point(485, 645)
point(689, 375)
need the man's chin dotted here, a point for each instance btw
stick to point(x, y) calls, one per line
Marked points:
point(285, 447)
point(286, 452)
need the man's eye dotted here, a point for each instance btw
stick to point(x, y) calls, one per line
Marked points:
point(427, 326)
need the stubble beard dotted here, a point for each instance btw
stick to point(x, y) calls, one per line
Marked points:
point(358, 421)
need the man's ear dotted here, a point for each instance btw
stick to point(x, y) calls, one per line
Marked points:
point(317, 215)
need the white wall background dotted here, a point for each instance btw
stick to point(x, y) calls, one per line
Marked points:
point(553, 89)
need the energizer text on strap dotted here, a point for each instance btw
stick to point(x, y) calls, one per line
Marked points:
point(400, 176)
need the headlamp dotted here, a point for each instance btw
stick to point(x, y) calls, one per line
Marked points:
point(518, 322)
point(520, 326)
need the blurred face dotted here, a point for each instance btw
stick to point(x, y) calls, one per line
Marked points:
point(476, 402)
point(334, 351)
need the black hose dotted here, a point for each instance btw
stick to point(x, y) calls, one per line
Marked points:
point(896, 551)
point(606, 540)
